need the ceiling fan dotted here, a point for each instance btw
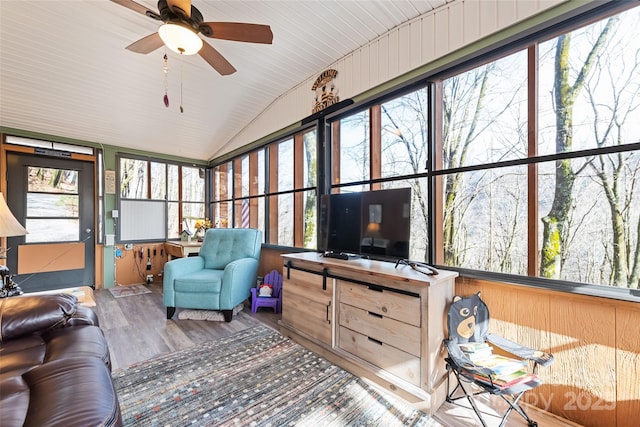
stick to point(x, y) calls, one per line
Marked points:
point(182, 23)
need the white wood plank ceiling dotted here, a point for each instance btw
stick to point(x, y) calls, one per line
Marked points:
point(64, 69)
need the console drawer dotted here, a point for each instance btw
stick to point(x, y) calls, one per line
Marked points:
point(384, 329)
point(398, 306)
point(392, 360)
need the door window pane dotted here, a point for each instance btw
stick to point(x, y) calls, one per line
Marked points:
point(49, 180)
point(52, 205)
point(52, 230)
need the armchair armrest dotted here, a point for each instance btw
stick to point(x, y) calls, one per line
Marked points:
point(180, 267)
point(524, 352)
point(174, 269)
point(238, 278)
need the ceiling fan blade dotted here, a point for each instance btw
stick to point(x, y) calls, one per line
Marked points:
point(137, 7)
point(216, 60)
point(183, 5)
point(238, 31)
point(146, 44)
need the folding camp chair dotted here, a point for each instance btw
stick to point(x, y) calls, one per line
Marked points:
point(471, 359)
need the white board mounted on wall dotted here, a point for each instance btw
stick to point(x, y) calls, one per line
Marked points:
point(143, 220)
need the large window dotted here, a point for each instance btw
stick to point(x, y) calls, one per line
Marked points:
point(523, 163)
point(272, 189)
point(570, 211)
point(182, 186)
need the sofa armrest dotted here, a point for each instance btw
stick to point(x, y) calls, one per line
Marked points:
point(28, 314)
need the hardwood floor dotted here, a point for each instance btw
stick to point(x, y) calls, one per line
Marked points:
point(137, 329)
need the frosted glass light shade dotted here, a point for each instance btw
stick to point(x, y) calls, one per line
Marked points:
point(180, 39)
point(9, 225)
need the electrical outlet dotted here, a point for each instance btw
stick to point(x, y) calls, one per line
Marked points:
point(149, 278)
point(128, 246)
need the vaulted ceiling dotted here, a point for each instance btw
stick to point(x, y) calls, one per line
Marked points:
point(64, 69)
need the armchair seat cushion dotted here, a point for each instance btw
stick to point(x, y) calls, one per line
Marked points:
point(206, 281)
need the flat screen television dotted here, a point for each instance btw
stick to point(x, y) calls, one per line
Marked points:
point(375, 224)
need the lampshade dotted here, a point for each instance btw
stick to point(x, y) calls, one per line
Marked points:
point(180, 39)
point(9, 225)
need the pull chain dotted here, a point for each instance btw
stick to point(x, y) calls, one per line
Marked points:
point(181, 67)
point(165, 71)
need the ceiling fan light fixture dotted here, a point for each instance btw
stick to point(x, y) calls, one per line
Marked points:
point(180, 39)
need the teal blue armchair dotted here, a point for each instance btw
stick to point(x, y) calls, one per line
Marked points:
point(220, 277)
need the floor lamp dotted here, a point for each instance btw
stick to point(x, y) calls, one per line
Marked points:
point(9, 227)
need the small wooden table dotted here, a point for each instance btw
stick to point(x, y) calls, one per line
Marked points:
point(181, 249)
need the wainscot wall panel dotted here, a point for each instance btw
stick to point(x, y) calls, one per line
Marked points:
point(584, 340)
point(595, 379)
point(627, 362)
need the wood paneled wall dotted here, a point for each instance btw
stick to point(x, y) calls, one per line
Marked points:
point(595, 379)
point(131, 267)
point(416, 43)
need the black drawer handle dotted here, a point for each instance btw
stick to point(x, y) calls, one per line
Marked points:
point(374, 340)
point(379, 316)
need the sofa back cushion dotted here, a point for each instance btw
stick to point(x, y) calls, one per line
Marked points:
point(28, 314)
point(223, 245)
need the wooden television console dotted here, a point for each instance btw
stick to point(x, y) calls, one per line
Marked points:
point(382, 323)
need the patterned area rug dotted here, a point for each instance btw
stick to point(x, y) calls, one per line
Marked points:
point(211, 315)
point(128, 290)
point(255, 377)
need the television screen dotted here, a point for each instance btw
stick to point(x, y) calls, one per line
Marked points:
point(375, 224)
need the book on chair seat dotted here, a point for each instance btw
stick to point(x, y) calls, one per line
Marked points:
point(502, 365)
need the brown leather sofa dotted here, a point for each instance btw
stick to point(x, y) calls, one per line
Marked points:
point(55, 367)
